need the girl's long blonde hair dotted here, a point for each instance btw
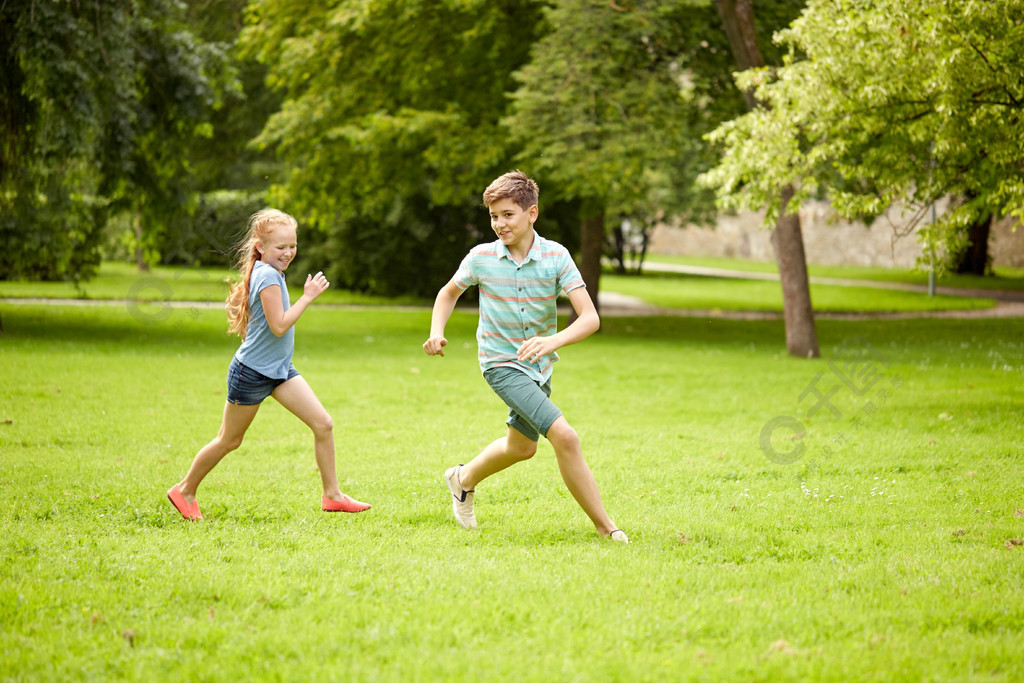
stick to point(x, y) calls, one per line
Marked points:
point(260, 225)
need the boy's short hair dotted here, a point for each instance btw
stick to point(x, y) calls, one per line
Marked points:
point(514, 185)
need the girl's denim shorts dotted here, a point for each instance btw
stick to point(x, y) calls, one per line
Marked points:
point(246, 387)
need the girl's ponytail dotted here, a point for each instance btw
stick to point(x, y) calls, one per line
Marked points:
point(238, 297)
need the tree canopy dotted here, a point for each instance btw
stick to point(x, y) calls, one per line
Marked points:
point(390, 124)
point(599, 107)
point(97, 104)
point(886, 103)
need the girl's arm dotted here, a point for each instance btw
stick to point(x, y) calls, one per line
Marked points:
point(587, 323)
point(280, 320)
point(444, 304)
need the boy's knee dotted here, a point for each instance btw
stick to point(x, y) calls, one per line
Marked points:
point(561, 432)
point(521, 449)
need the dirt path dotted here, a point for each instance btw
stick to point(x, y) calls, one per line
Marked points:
point(613, 304)
point(1009, 304)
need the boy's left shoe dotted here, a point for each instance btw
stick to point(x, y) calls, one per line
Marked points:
point(462, 500)
point(347, 504)
point(619, 535)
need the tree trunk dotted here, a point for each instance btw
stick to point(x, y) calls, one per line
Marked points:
point(591, 248)
point(738, 19)
point(788, 242)
point(787, 239)
point(619, 248)
point(140, 256)
point(974, 260)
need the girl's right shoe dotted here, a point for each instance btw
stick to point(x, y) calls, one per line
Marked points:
point(189, 512)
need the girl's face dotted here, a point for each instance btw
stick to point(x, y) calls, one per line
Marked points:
point(278, 249)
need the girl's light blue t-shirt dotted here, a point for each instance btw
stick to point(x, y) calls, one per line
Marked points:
point(262, 350)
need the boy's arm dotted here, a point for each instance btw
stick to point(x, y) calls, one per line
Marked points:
point(444, 304)
point(587, 323)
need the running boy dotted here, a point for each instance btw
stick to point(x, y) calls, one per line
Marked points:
point(520, 276)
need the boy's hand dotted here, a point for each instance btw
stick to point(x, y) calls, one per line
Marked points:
point(315, 285)
point(435, 346)
point(536, 347)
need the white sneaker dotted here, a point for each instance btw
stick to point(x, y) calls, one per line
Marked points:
point(462, 501)
point(619, 535)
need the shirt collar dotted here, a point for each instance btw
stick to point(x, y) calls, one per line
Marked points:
point(532, 255)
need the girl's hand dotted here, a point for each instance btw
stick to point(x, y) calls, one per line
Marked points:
point(435, 346)
point(315, 285)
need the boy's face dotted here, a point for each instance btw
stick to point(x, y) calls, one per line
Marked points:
point(512, 224)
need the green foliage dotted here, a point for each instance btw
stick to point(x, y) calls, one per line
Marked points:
point(216, 226)
point(599, 107)
point(389, 126)
point(98, 102)
point(885, 103)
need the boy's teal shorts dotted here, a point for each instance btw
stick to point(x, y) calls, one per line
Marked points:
point(530, 410)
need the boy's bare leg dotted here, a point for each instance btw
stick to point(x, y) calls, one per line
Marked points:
point(500, 454)
point(577, 475)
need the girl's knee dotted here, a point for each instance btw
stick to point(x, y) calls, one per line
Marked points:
point(230, 443)
point(323, 426)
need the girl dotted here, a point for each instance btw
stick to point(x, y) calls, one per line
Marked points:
point(259, 311)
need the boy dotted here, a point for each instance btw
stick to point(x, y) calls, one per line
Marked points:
point(519, 277)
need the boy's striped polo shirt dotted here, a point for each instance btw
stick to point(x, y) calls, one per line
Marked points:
point(517, 300)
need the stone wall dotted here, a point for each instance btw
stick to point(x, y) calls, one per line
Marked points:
point(827, 240)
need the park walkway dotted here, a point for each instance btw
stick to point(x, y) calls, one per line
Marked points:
point(1009, 304)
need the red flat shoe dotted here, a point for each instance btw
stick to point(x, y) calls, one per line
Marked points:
point(189, 512)
point(347, 505)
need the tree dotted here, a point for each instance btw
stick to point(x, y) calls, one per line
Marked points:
point(883, 104)
point(96, 102)
point(787, 238)
point(389, 126)
point(599, 111)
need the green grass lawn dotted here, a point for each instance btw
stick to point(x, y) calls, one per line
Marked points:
point(167, 283)
point(671, 290)
point(891, 550)
point(1003, 278)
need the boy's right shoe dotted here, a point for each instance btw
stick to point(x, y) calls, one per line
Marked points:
point(462, 501)
point(619, 535)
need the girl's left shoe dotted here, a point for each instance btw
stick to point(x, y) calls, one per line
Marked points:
point(347, 504)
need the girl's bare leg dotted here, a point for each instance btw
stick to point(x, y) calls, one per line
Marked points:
point(298, 398)
point(233, 426)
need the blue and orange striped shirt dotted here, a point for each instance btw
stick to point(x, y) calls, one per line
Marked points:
point(517, 300)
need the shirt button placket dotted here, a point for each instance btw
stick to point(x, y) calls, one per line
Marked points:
point(519, 298)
